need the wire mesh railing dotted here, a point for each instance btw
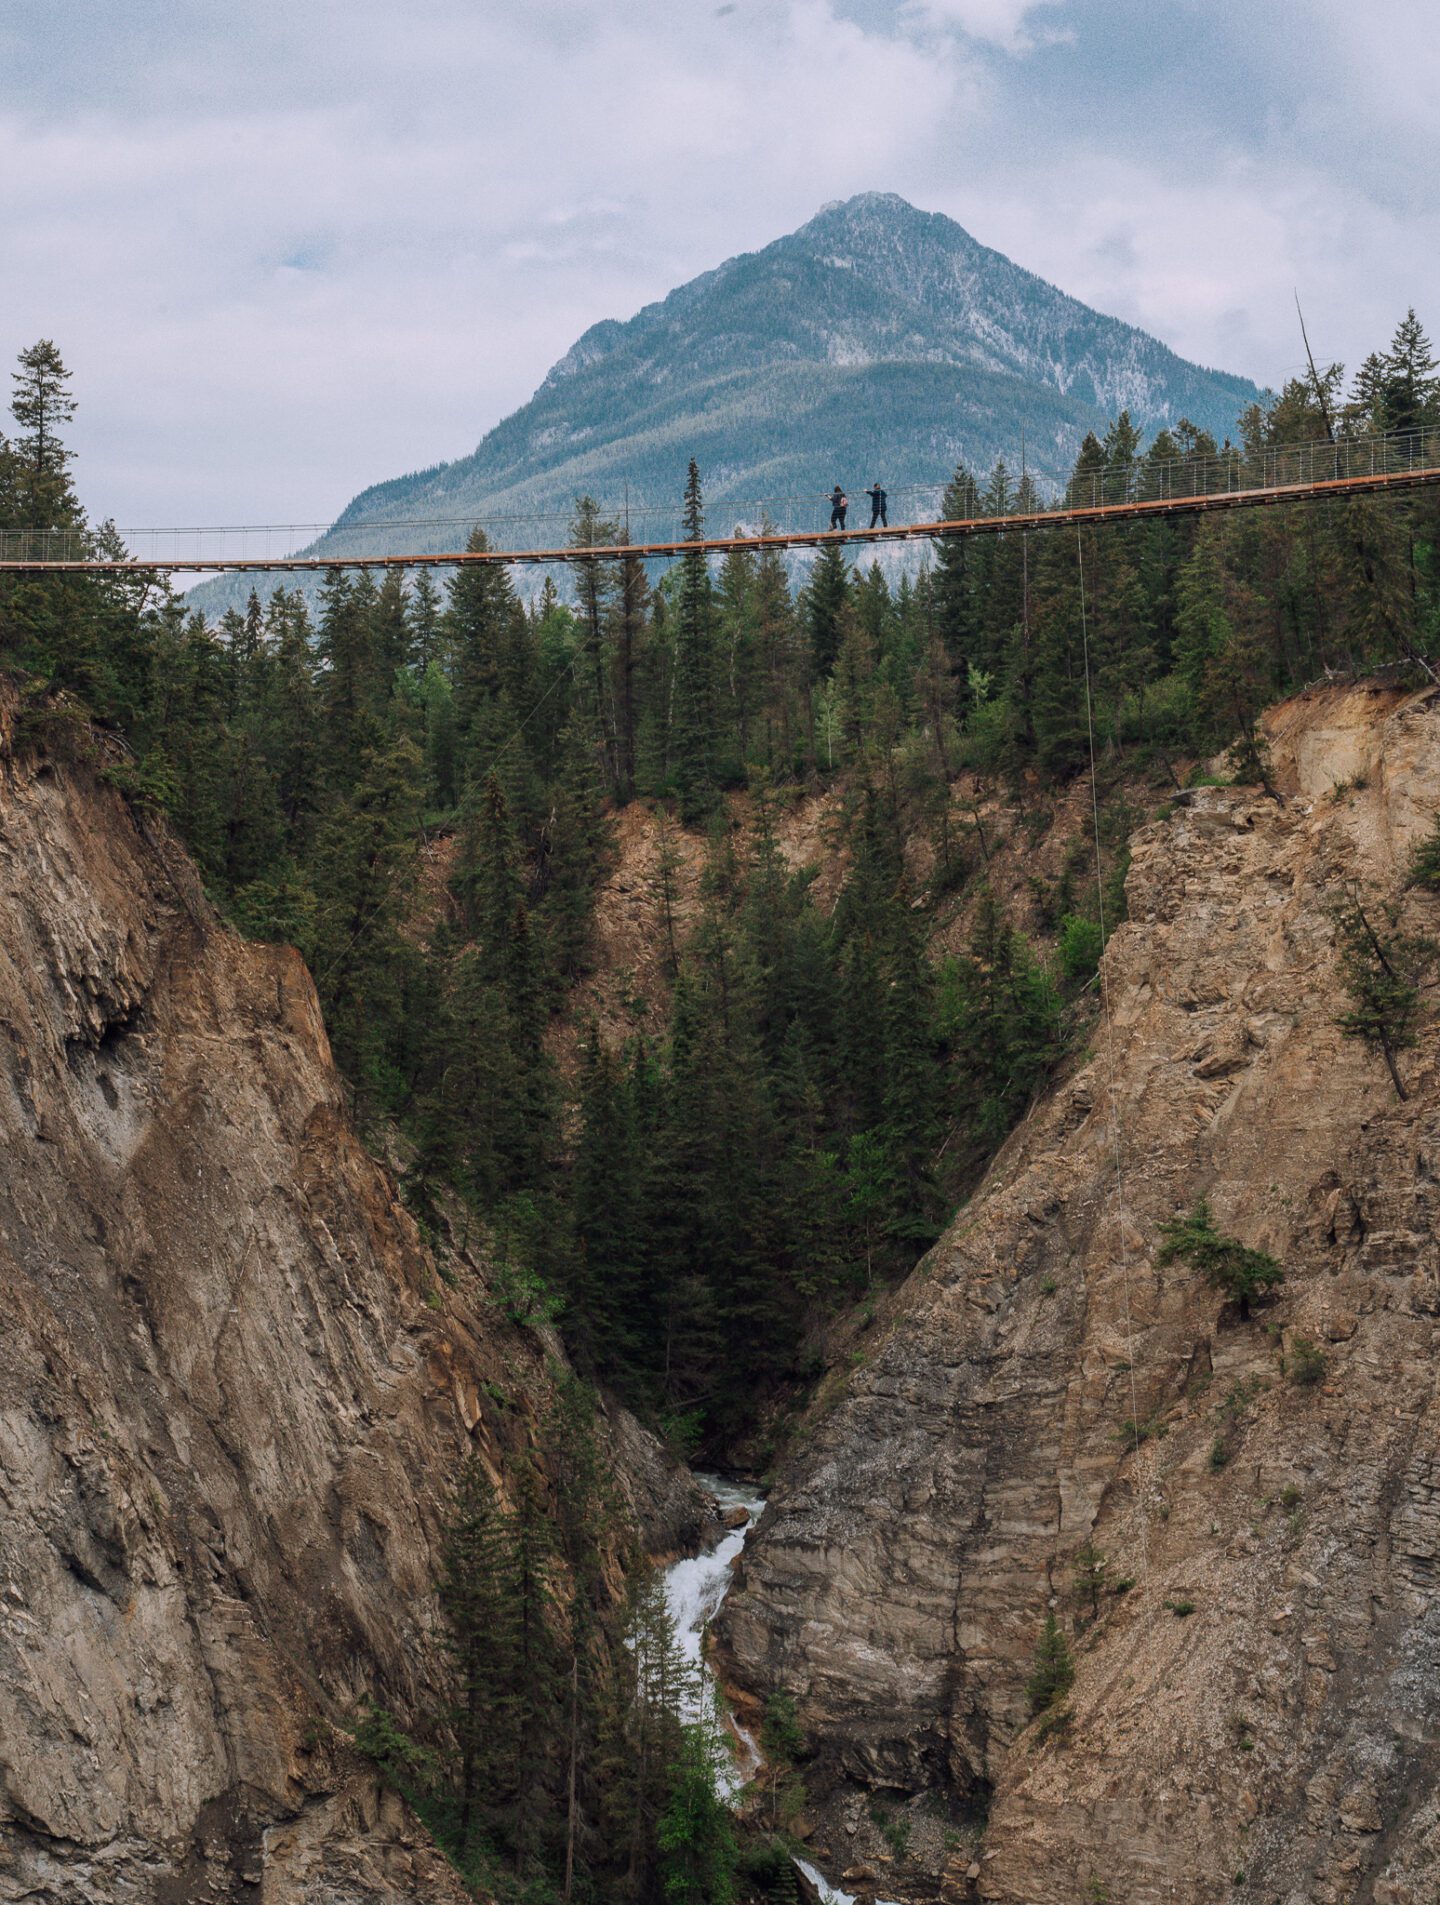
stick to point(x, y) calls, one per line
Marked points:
point(1112, 481)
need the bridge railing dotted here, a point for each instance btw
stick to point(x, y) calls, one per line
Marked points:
point(1145, 479)
point(1260, 467)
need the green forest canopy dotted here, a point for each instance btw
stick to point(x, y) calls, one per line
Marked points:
point(826, 1088)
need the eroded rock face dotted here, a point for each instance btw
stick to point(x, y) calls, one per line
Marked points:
point(233, 1393)
point(1283, 1728)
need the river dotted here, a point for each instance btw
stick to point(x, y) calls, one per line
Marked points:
point(694, 1589)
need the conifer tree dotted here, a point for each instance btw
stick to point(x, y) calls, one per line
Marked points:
point(697, 1840)
point(1383, 969)
point(479, 1601)
point(291, 715)
point(425, 623)
point(1232, 1267)
point(783, 673)
point(736, 623)
point(661, 1688)
point(596, 588)
point(364, 864)
point(693, 747)
point(1409, 387)
point(1054, 1670)
point(352, 686)
point(576, 845)
point(609, 1224)
point(628, 640)
point(538, 1680)
point(42, 406)
point(487, 644)
point(825, 596)
point(61, 626)
point(953, 594)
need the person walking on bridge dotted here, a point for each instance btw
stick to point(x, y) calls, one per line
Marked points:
point(877, 506)
point(839, 503)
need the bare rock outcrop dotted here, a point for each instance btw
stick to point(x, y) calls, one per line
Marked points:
point(233, 1393)
point(1253, 1713)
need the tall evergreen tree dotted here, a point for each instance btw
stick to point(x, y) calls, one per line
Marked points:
point(693, 746)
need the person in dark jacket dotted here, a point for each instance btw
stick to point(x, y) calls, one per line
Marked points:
point(877, 506)
point(839, 503)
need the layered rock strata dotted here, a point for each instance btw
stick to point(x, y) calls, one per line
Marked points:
point(1254, 1709)
point(233, 1395)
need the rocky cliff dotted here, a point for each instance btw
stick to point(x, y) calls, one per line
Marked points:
point(1253, 1714)
point(233, 1393)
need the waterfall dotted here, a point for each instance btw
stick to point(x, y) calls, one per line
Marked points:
point(694, 1589)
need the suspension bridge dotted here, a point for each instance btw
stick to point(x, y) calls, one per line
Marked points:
point(1346, 468)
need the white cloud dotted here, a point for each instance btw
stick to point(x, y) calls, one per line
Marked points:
point(333, 287)
point(292, 249)
point(1211, 263)
point(1012, 25)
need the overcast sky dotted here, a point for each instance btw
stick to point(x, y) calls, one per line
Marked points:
point(290, 247)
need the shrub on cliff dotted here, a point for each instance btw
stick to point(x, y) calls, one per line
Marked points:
point(1425, 862)
point(1054, 1670)
point(1089, 1575)
point(1243, 1274)
point(1383, 969)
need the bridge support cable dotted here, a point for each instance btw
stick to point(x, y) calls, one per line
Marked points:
point(1270, 477)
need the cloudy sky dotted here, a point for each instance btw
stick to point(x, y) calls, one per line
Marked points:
point(290, 247)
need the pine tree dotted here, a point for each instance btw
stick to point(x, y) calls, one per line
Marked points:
point(596, 588)
point(479, 1601)
point(1409, 386)
point(1122, 455)
point(611, 1299)
point(628, 640)
point(352, 685)
point(577, 848)
point(64, 627)
point(42, 406)
point(826, 595)
point(783, 670)
point(854, 681)
point(538, 1683)
point(364, 863)
point(697, 1840)
point(1090, 1575)
point(1001, 1015)
point(425, 623)
point(290, 716)
point(1053, 1674)
point(1232, 1267)
point(693, 750)
point(953, 590)
point(1383, 969)
point(658, 1690)
point(487, 642)
point(738, 641)
point(393, 639)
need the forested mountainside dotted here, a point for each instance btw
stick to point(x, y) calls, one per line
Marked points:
point(877, 341)
point(873, 921)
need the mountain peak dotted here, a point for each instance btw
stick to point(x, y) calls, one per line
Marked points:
point(871, 212)
point(869, 202)
point(876, 338)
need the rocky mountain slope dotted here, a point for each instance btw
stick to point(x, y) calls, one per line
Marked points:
point(233, 1394)
point(877, 340)
point(1253, 1717)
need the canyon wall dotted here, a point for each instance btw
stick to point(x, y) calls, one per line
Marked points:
point(1253, 1709)
point(234, 1392)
